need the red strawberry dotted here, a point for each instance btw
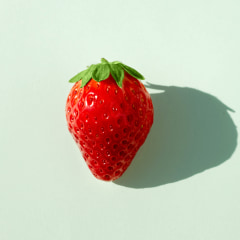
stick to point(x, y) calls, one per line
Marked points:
point(109, 114)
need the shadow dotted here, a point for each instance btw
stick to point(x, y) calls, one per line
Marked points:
point(192, 132)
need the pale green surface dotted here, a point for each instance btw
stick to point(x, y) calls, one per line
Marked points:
point(190, 187)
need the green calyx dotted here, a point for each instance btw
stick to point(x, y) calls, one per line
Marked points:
point(101, 71)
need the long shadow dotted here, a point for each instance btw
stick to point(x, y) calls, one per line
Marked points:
point(192, 132)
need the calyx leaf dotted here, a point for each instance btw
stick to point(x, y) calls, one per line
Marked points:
point(78, 77)
point(101, 71)
point(133, 72)
point(117, 73)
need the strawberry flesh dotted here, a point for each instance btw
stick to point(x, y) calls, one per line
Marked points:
point(109, 123)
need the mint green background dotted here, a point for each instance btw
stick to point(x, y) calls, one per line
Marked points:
point(183, 183)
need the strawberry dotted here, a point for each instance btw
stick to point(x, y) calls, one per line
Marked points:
point(109, 114)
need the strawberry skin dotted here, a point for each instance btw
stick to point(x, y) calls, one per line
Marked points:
point(109, 123)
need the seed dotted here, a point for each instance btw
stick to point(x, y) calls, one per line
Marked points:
point(117, 173)
point(110, 168)
point(122, 153)
point(75, 113)
point(119, 164)
point(119, 121)
point(90, 99)
point(130, 118)
point(105, 115)
point(106, 177)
